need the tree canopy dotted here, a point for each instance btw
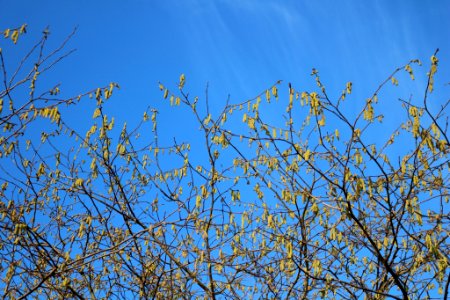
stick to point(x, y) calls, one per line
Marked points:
point(312, 202)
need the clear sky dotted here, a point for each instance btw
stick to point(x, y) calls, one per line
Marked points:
point(239, 47)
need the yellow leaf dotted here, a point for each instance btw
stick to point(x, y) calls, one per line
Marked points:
point(23, 28)
point(79, 182)
point(93, 164)
point(41, 170)
point(349, 87)
point(321, 122)
point(15, 36)
point(198, 201)
point(251, 123)
point(98, 93)
point(182, 81)
point(410, 71)
point(207, 120)
point(275, 91)
point(434, 60)
point(145, 117)
point(121, 149)
point(96, 113)
point(368, 112)
point(307, 155)
point(81, 230)
point(107, 94)
point(394, 80)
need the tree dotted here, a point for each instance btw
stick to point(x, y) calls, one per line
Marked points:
point(308, 206)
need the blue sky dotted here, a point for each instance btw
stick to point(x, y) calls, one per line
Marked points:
point(239, 47)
